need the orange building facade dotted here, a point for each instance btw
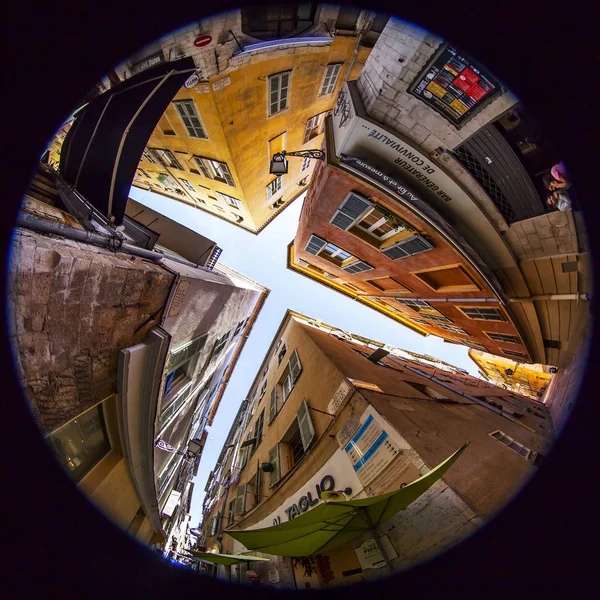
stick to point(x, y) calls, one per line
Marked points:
point(385, 248)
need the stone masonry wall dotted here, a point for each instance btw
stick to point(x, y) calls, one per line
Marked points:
point(72, 307)
point(399, 55)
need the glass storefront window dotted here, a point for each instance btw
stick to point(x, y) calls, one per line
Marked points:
point(80, 444)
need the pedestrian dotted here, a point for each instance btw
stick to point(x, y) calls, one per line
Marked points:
point(560, 200)
point(560, 175)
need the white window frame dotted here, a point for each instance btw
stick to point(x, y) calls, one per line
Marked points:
point(288, 381)
point(215, 170)
point(275, 187)
point(306, 163)
point(194, 131)
point(463, 309)
point(330, 78)
point(501, 337)
point(187, 185)
point(314, 123)
point(160, 153)
point(508, 441)
point(233, 202)
point(274, 84)
point(149, 157)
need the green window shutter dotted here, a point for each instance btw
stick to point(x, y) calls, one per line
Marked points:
point(274, 460)
point(239, 500)
point(257, 488)
point(305, 424)
point(273, 405)
point(258, 428)
point(295, 366)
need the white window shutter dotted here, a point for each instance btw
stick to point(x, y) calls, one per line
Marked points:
point(273, 405)
point(239, 499)
point(351, 209)
point(274, 460)
point(315, 244)
point(305, 424)
point(357, 267)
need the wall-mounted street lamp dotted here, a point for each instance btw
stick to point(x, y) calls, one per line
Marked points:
point(279, 163)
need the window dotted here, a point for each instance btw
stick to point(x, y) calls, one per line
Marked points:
point(273, 405)
point(339, 257)
point(314, 127)
point(82, 443)
point(449, 278)
point(143, 173)
point(290, 375)
point(166, 158)
point(303, 181)
point(148, 156)
point(476, 345)
point(239, 327)
point(513, 353)
point(352, 208)
point(220, 344)
point(281, 355)
point(331, 75)
point(513, 445)
point(452, 328)
point(229, 200)
point(187, 185)
point(191, 120)
point(305, 163)
point(482, 314)
point(274, 186)
point(240, 500)
point(274, 475)
point(298, 438)
point(258, 429)
point(413, 303)
point(263, 391)
point(503, 337)
point(439, 318)
point(279, 89)
point(213, 169)
point(415, 244)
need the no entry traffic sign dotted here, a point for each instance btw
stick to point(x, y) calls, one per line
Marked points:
point(203, 40)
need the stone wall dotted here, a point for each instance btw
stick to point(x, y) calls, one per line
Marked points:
point(399, 55)
point(72, 307)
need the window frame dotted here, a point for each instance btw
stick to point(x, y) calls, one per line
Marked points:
point(229, 200)
point(472, 287)
point(509, 352)
point(270, 187)
point(190, 102)
point(316, 123)
point(289, 380)
point(515, 339)
point(210, 171)
point(278, 77)
point(502, 318)
point(328, 87)
point(158, 154)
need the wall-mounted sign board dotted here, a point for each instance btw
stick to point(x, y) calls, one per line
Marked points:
point(455, 85)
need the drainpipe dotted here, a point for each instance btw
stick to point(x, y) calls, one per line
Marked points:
point(353, 57)
point(113, 242)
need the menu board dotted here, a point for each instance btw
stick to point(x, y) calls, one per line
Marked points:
point(455, 85)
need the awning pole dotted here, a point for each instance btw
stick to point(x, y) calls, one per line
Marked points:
point(124, 137)
point(376, 535)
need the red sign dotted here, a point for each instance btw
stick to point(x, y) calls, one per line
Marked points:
point(203, 40)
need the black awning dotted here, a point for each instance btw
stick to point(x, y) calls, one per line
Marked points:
point(103, 148)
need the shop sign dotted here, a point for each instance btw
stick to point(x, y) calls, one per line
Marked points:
point(178, 298)
point(338, 398)
point(370, 450)
point(307, 500)
point(370, 556)
point(202, 88)
point(219, 85)
point(273, 575)
point(455, 86)
point(191, 81)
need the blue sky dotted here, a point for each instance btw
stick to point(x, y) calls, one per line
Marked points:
point(263, 258)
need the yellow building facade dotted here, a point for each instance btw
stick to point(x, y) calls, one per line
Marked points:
point(213, 145)
point(529, 380)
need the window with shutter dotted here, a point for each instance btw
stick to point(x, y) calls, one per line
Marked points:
point(279, 87)
point(350, 211)
point(245, 454)
point(274, 460)
point(315, 244)
point(258, 429)
point(305, 424)
point(295, 366)
point(330, 79)
point(240, 500)
point(413, 245)
point(189, 116)
point(273, 405)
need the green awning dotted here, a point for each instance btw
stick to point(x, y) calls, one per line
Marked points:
point(332, 524)
point(225, 559)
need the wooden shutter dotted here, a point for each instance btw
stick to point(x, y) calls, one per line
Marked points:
point(273, 405)
point(295, 366)
point(315, 244)
point(245, 454)
point(258, 428)
point(413, 245)
point(274, 460)
point(305, 424)
point(351, 209)
point(257, 487)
